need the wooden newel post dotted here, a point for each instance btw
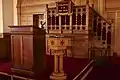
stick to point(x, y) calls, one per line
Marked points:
point(58, 44)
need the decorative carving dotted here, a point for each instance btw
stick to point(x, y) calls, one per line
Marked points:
point(58, 49)
point(52, 42)
point(62, 42)
point(64, 6)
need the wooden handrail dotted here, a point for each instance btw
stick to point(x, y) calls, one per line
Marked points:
point(100, 15)
point(83, 70)
point(14, 76)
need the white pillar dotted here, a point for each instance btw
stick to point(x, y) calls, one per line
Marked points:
point(7, 14)
point(1, 17)
point(116, 31)
point(60, 27)
point(15, 12)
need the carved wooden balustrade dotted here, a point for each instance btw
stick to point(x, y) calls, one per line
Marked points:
point(99, 28)
point(74, 22)
point(81, 19)
point(99, 31)
point(81, 22)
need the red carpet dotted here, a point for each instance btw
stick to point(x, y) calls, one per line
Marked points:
point(108, 71)
point(72, 66)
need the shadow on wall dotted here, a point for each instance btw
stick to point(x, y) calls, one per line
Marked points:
point(5, 52)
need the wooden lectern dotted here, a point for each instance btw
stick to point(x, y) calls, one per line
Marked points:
point(28, 49)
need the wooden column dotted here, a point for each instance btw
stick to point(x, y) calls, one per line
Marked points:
point(87, 17)
point(76, 19)
point(61, 64)
point(55, 63)
point(46, 19)
point(19, 11)
point(60, 27)
point(71, 22)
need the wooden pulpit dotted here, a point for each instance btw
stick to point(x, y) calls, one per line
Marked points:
point(28, 49)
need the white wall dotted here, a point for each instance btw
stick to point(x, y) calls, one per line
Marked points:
point(113, 13)
point(15, 12)
point(1, 17)
point(112, 3)
point(7, 14)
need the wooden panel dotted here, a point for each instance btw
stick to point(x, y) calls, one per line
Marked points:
point(111, 15)
point(16, 50)
point(80, 48)
point(28, 51)
point(22, 51)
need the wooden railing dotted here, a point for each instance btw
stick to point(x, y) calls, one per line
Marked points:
point(83, 74)
point(83, 19)
point(13, 77)
point(99, 30)
point(99, 27)
point(74, 22)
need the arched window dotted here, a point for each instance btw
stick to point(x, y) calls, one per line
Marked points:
point(94, 24)
point(104, 33)
point(53, 20)
point(109, 35)
point(99, 29)
point(62, 20)
point(78, 19)
point(74, 19)
point(67, 20)
point(49, 20)
point(57, 20)
point(84, 19)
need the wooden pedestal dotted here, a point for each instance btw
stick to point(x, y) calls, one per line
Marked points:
point(28, 49)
